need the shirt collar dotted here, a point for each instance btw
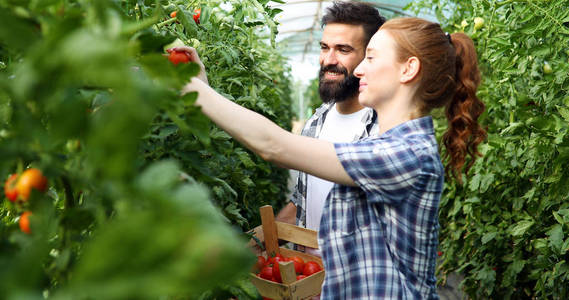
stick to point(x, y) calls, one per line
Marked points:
point(422, 125)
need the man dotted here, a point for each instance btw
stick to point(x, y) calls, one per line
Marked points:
point(348, 27)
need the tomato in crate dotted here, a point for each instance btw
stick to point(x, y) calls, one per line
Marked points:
point(288, 281)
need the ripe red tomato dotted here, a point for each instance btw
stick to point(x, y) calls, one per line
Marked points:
point(267, 272)
point(277, 273)
point(274, 259)
point(261, 261)
point(25, 222)
point(173, 14)
point(310, 268)
point(10, 188)
point(299, 277)
point(197, 14)
point(30, 178)
point(177, 57)
point(298, 263)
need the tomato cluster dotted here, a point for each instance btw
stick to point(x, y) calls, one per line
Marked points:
point(269, 268)
point(196, 15)
point(18, 188)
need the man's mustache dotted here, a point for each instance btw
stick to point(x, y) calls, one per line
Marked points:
point(333, 68)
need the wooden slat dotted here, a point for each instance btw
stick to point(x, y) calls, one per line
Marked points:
point(307, 287)
point(269, 230)
point(288, 274)
point(270, 289)
point(297, 235)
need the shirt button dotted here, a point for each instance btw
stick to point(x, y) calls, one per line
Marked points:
point(376, 150)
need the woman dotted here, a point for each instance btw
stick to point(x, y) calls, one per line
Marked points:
point(379, 228)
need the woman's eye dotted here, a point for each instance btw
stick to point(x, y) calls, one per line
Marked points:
point(369, 58)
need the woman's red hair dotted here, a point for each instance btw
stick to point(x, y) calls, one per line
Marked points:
point(449, 77)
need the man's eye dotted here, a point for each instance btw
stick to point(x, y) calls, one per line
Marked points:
point(369, 58)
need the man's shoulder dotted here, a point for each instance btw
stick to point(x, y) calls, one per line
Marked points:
point(311, 124)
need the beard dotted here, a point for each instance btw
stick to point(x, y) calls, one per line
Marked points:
point(337, 91)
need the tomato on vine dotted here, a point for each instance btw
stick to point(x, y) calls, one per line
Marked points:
point(547, 69)
point(197, 14)
point(10, 188)
point(173, 14)
point(478, 23)
point(25, 222)
point(30, 179)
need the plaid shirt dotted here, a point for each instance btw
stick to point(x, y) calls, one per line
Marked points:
point(312, 128)
point(379, 239)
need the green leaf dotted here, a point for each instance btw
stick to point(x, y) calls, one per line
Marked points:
point(564, 112)
point(475, 182)
point(521, 227)
point(244, 158)
point(488, 237)
point(556, 237)
point(162, 175)
point(17, 32)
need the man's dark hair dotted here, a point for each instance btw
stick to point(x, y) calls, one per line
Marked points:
point(354, 13)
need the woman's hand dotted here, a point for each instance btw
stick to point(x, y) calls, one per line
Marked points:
point(194, 57)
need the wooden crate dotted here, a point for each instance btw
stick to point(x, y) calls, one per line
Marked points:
point(271, 231)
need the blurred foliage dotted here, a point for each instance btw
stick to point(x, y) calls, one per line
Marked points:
point(312, 97)
point(146, 197)
point(505, 229)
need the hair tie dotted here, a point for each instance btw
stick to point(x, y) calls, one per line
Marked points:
point(448, 37)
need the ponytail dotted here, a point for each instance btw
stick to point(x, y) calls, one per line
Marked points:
point(448, 77)
point(463, 134)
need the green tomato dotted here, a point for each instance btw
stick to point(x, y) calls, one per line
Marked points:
point(478, 23)
point(72, 145)
point(195, 43)
point(547, 69)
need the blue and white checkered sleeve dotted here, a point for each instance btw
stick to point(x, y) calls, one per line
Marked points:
point(385, 169)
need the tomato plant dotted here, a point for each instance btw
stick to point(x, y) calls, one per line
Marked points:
point(505, 229)
point(10, 187)
point(131, 163)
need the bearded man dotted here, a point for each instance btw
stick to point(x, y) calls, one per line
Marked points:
point(348, 27)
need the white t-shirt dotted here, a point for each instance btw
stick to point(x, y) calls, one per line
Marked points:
point(337, 128)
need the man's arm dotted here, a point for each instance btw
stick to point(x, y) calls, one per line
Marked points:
point(287, 214)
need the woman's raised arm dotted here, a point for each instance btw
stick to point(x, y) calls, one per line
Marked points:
point(272, 143)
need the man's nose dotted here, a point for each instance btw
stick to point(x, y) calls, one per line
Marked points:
point(330, 58)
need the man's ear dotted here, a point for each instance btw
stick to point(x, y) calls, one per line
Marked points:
point(410, 69)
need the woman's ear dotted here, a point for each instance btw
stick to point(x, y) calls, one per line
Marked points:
point(410, 69)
